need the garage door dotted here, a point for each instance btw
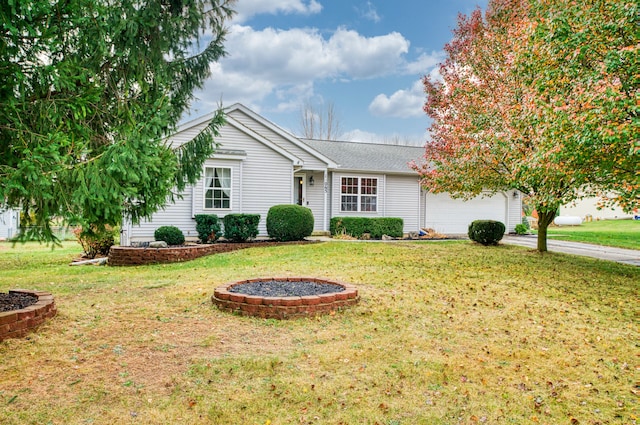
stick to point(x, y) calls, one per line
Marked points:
point(451, 216)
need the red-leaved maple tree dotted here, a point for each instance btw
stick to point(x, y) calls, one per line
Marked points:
point(538, 96)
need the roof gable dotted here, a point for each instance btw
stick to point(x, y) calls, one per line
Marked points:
point(203, 120)
point(281, 132)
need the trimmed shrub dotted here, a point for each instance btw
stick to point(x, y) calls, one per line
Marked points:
point(289, 222)
point(170, 234)
point(374, 226)
point(522, 229)
point(95, 241)
point(241, 227)
point(486, 232)
point(208, 227)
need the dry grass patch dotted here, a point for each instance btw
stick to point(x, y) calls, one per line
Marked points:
point(445, 333)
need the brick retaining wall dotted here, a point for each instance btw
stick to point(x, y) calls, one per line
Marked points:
point(133, 256)
point(17, 323)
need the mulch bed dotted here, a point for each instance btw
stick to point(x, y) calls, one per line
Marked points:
point(15, 301)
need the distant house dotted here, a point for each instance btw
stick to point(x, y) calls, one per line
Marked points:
point(9, 223)
point(258, 165)
point(587, 209)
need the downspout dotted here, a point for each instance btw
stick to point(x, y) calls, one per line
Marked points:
point(384, 199)
point(193, 201)
point(508, 211)
point(240, 188)
point(326, 197)
point(292, 180)
point(419, 205)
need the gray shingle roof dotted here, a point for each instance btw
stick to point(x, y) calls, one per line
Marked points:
point(356, 156)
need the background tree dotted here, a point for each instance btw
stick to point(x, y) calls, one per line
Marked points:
point(320, 123)
point(502, 115)
point(589, 57)
point(89, 90)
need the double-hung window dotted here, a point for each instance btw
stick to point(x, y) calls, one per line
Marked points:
point(359, 194)
point(217, 188)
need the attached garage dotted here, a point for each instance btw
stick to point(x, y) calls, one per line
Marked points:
point(453, 216)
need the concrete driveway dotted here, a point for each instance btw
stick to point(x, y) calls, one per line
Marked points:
point(620, 255)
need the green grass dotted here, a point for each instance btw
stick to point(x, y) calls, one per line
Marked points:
point(445, 333)
point(618, 233)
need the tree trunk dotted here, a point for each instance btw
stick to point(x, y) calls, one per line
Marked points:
point(544, 220)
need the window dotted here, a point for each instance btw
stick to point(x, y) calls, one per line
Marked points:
point(217, 188)
point(359, 194)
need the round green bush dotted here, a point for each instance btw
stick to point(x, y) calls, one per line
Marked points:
point(486, 232)
point(289, 222)
point(170, 234)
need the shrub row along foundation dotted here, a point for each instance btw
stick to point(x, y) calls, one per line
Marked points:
point(134, 256)
point(17, 323)
point(284, 307)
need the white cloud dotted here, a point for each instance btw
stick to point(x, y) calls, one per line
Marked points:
point(366, 57)
point(248, 8)
point(401, 104)
point(287, 63)
point(361, 136)
point(370, 13)
point(425, 62)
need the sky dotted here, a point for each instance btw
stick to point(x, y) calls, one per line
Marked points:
point(367, 58)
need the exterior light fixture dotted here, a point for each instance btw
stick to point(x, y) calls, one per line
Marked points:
point(311, 181)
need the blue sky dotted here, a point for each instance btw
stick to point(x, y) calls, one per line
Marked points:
point(365, 57)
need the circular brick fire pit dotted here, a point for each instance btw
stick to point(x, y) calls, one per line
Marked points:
point(265, 297)
point(17, 323)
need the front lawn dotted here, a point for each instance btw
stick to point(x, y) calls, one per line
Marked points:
point(618, 233)
point(445, 333)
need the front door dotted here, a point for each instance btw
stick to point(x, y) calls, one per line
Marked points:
point(299, 190)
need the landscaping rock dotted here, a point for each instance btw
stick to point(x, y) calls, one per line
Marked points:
point(158, 244)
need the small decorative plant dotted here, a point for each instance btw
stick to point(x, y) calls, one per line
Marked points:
point(522, 229)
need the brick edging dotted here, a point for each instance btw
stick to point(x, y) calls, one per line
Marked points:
point(17, 323)
point(134, 256)
point(284, 307)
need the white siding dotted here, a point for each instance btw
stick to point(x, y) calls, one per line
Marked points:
point(403, 200)
point(177, 214)
point(310, 161)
